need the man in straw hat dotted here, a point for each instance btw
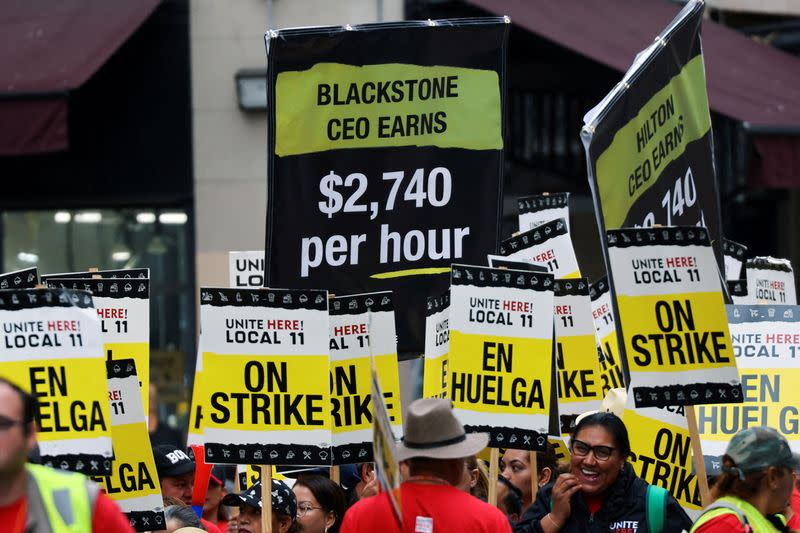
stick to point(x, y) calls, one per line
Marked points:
point(434, 448)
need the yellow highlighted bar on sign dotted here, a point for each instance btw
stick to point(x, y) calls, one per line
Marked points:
point(411, 272)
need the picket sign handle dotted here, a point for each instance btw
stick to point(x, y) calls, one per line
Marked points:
point(494, 464)
point(266, 498)
point(697, 456)
point(237, 488)
point(534, 475)
point(336, 474)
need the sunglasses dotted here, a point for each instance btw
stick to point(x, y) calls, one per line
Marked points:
point(581, 449)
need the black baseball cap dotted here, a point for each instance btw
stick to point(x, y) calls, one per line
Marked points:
point(283, 500)
point(171, 461)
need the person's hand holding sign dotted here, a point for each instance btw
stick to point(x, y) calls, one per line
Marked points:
point(566, 485)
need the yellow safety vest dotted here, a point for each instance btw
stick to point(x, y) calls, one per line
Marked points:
point(67, 498)
point(733, 505)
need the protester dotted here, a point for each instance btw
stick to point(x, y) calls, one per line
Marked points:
point(515, 466)
point(434, 448)
point(179, 516)
point(160, 432)
point(754, 487)
point(509, 500)
point(793, 511)
point(320, 504)
point(284, 509)
point(601, 492)
point(26, 488)
point(366, 486)
point(470, 476)
point(213, 510)
point(176, 471)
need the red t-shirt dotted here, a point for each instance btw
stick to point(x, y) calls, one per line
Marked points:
point(426, 508)
point(211, 528)
point(794, 521)
point(106, 516)
point(724, 523)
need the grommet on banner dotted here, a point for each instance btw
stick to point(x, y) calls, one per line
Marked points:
point(432, 22)
point(506, 19)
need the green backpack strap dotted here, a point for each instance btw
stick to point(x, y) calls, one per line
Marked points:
point(656, 508)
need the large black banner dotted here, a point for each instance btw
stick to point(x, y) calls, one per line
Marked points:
point(649, 143)
point(385, 158)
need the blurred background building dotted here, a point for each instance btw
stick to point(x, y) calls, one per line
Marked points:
point(133, 133)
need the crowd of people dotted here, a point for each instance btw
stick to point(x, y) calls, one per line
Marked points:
point(445, 486)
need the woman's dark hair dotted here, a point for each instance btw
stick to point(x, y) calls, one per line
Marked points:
point(329, 495)
point(183, 514)
point(729, 483)
point(611, 423)
point(513, 499)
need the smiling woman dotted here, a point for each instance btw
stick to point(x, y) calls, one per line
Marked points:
point(601, 492)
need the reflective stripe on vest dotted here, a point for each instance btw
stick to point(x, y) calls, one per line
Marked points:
point(757, 522)
point(68, 499)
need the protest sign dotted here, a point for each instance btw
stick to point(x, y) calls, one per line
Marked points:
point(499, 261)
point(26, 278)
point(361, 327)
point(734, 255)
point(265, 385)
point(548, 245)
point(125, 273)
point(672, 316)
point(649, 142)
point(542, 208)
point(133, 483)
point(246, 269)
point(501, 354)
point(437, 346)
point(51, 347)
point(196, 414)
point(770, 281)
point(387, 469)
point(124, 310)
point(612, 369)
point(577, 365)
point(661, 452)
point(738, 291)
point(385, 157)
point(766, 343)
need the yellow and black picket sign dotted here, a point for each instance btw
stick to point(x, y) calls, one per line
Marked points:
point(770, 280)
point(123, 305)
point(577, 366)
point(197, 411)
point(51, 347)
point(387, 469)
point(133, 482)
point(437, 346)
point(766, 343)
point(548, 245)
point(672, 317)
point(265, 387)
point(500, 364)
point(361, 329)
point(611, 368)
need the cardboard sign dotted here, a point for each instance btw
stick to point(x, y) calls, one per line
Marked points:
point(265, 376)
point(386, 157)
point(766, 343)
point(649, 143)
point(124, 310)
point(246, 269)
point(197, 412)
point(770, 281)
point(611, 368)
point(542, 208)
point(577, 365)
point(734, 255)
point(361, 326)
point(26, 278)
point(501, 354)
point(662, 452)
point(125, 273)
point(437, 346)
point(738, 291)
point(672, 315)
point(548, 245)
point(133, 483)
point(387, 469)
point(51, 347)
